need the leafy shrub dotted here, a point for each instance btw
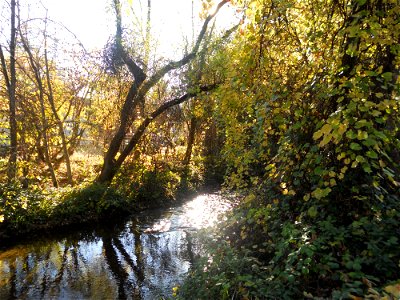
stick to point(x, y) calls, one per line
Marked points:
point(93, 201)
point(19, 208)
point(225, 273)
point(318, 153)
point(24, 210)
point(147, 186)
point(157, 186)
point(267, 251)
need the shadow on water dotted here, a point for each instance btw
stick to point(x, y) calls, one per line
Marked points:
point(143, 258)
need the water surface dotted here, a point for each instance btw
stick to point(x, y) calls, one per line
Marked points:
point(143, 258)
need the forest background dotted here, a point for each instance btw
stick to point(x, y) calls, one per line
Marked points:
point(295, 106)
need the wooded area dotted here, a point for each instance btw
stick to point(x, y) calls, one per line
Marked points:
point(295, 107)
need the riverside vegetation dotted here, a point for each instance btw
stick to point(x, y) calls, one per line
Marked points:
point(296, 107)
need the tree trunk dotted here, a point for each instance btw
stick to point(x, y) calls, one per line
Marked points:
point(110, 167)
point(137, 94)
point(126, 119)
point(13, 120)
point(57, 117)
point(44, 125)
point(147, 37)
point(191, 138)
point(11, 86)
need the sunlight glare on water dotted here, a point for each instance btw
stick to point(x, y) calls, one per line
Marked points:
point(143, 258)
point(203, 211)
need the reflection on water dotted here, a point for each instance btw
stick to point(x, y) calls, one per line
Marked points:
point(141, 259)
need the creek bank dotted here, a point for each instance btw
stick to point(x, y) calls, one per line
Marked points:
point(87, 207)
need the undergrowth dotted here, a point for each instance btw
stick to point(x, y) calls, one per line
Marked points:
point(23, 210)
point(267, 250)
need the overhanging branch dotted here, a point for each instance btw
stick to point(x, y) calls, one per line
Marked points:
point(146, 122)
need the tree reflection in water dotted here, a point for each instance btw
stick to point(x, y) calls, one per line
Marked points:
point(143, 258)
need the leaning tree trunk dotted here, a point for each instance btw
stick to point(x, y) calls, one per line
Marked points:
point(137, 94)
point(108, 174)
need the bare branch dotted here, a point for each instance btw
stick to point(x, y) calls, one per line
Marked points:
point(4, 69)
point(186, 59)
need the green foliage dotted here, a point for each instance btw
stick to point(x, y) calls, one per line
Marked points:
point(156, 186)
point(311, 120)
point(26, 210)
point(262, 254)
point(152, 185)
point(21, 208)
point(90, 202)
point(237, 273)
point(308, 115)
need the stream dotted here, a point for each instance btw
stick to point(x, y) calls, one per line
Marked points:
point(142, 258)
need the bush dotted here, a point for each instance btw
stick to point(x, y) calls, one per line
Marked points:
point(20, 208)
point(91, 202)
point(26, 210)
point(158, 186)
point(267, 250)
